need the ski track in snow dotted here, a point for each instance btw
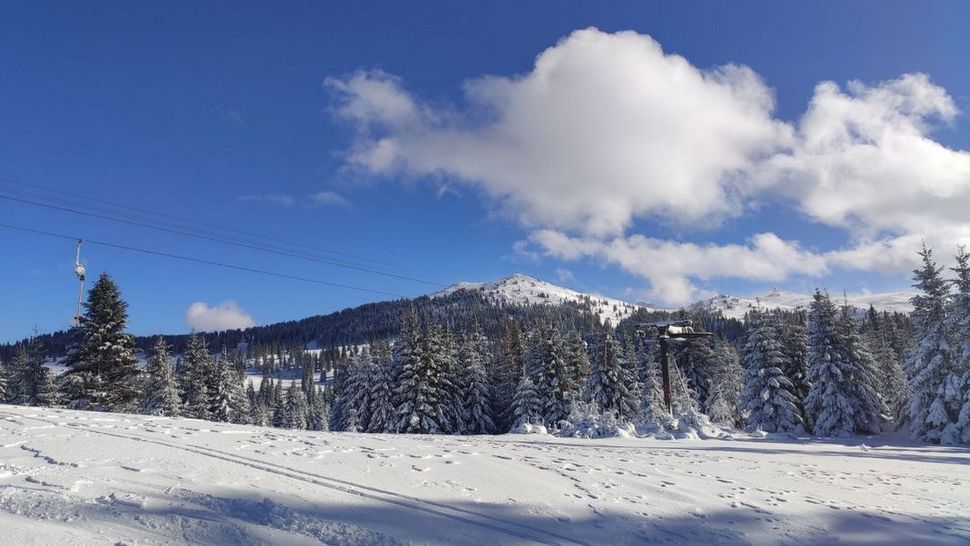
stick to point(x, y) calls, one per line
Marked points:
point(71, 477)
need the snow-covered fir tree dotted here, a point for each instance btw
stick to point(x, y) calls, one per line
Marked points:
point(197, 364)
point(102, 367)
point(225, 400)
point(506, 372)
point(380, 384)
point(278, 406)
point(546, 367)
point(766, 399)
point(161, 394)
point(794, 349)
point(258, 414)
point(34, 382)
point(696, 361)
point(477, 409)
point(3, 382)
point(357, 389)
point(869, 412)
point(526, 406)
point(651, 396)
point(341, 376)
point(891, 378)
point(577, 364)
point(296, 409)
point(612, 386)
point(829, 406)
point(418, 403)
point(725, 394)
point(957, 386)
point(441, 349)
point(932, 408)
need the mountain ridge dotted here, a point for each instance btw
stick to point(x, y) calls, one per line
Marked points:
point(522, 289)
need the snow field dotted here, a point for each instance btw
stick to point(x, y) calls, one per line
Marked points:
point(71, 477)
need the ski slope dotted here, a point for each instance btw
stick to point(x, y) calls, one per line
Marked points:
point(70, 477)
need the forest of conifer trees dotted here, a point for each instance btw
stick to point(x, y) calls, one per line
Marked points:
point(824, 370)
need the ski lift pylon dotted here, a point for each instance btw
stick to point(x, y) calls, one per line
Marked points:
point(80, 272)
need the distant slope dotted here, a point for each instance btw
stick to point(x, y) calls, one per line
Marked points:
point(522, 289)
point(736, 307)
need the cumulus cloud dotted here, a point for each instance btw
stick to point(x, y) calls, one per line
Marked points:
point(608, 128)
point(669, 265)
point(605, 127)
point(224, 316)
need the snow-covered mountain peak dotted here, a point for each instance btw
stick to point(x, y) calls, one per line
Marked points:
point(520, 289)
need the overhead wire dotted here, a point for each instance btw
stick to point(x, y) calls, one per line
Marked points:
point(10, 181)
point(33, 200)
point(197, 260)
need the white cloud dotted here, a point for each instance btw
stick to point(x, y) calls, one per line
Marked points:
point(224, 316)
point(565, 275)
point(607, 128)
point(278, 198)
point(863, 159)
point(311, 200)
point(670, 266)
point(328, 198)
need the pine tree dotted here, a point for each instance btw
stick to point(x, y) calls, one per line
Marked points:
point(931, 408)
point(725, 394)
point(279, 406)
point(4, 391)
point(577, 365)
point(868, 411)
point(258, 414)
point(957, 386)
point(696, 362)
point(506, 372)
point(794, 349)
point(526, 406)
point(891, 378)
point(161, 396)
point(381, 395)
point(197, 364)
point(222, 402)
point(651, 396)
point(35, 383)
point(441, 350)
point(612, 385)
point(767, 400)
point(477, 415)
point(546, 366)
point(829, 406)
point(296, 410)
point(358, 388)
point(417, 393)
point(102, 367)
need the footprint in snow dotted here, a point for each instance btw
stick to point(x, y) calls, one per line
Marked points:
point(420, 469)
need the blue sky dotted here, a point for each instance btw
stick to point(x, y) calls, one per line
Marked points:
point(237, 114)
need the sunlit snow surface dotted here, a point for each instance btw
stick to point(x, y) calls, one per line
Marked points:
point(69, 477)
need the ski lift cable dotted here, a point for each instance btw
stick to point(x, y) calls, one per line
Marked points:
point(164, 224)
point(219, 240)
point(114, 216)
point(10, 181)
point(200, 260)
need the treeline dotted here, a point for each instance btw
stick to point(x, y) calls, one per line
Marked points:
point(822, 370)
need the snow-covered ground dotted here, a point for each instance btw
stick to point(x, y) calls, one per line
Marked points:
point(69, 477)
